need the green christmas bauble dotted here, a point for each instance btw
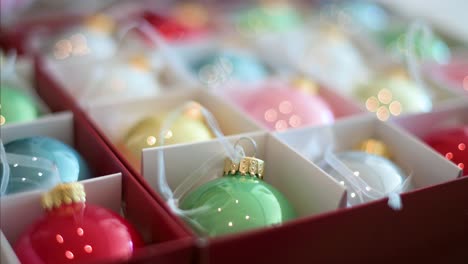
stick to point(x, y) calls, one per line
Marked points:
point(433, 48)
point(16, 106)
point(236, 203)
point(393, 95)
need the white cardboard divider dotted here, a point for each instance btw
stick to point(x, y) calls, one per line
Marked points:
point(426, 167)
point(58, 126)
point(19, 211)
point(115, 119)
point(307, 187)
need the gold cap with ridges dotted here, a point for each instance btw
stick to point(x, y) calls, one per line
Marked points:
point(247, 166)
point(64, 193)
point(376, 147)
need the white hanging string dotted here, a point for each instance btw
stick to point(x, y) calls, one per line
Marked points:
point(172, 197)
point(360, 186)
point(411, 52)
point(5, 170)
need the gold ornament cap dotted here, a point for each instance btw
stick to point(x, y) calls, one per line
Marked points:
point(100, 22)
point(250, 166)
point(376, 147)
point(64, 193)
point(305, 85)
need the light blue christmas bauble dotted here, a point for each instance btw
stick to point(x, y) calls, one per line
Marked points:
point(41, 163)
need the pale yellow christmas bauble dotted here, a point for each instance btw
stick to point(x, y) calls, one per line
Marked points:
point(189, 127)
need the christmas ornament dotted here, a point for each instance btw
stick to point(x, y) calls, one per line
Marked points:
point(281, 106)
point(117, 79)
point(367, 15)
point(72, 231)
point(380, 175)
point(33, 173)
point(392, 95)
point(93, 38)
point(222, 66)
point(16, 106)
point(451, 143)
point(453, 74)
point(395, 40)
point(269, 17)
point(175, 30)
point(328, 50)
point(189, 127)
point(239, 201)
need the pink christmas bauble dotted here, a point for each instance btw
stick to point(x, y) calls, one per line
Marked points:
point(282, 107)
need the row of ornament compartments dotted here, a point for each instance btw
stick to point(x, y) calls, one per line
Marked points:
point(283, 154)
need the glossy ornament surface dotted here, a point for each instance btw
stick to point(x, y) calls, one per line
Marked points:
point(16, 106)
point(328, 50)
point(237, 202)
point(379, 174)
point(173, 29)
point(395, 40)
point(189, 127)
point(91, 39)
point(451, 143)
point(222, 66)
point(274, 17)
point(393, 95)
point(118, 80)
point(282, 107)
point(44, 161)
point(72, 231)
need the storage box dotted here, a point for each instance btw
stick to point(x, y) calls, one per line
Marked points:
point(155, 225)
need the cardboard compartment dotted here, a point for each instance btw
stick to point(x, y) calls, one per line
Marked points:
point(307, 188)
point(155, 224)
point(114, 120)
point(408, 153)
point(19, 211)
point(341, 106)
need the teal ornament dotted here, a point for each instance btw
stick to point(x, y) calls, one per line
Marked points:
point(219, 67)
point(41, 163)
point(237, 202)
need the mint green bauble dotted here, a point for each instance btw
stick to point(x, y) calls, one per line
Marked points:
point(236, 203)
point(16, 106)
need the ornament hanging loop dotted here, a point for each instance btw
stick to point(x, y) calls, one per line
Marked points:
point(251, 141)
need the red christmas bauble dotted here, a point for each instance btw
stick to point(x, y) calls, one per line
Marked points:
point(453, 144)
point(77, 232)
point(171, 29)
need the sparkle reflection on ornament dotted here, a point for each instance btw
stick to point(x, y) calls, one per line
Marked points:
point(281, 125)
point(449, 155)
point(295, 121)
point(383, 113)
point(271, 115)
point(461, 166)
point(2, 120)
point(151, 140)
point(88, 249)
point(285, 107)
point(79, 231)
point(59, 239)
point(461, 146)
point(395, 108)
point(69, 254)
point(372, 104)
point(230, 224)
point(353, 195)
point(385, 96)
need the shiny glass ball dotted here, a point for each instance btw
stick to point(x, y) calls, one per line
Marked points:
point(16, 106)
point(222, 66)
point(236, 203)
point(452, 143)
point(392, 96)
point(77, 233)
point(282, 108)
point(145, 134)
point(66, 164)
point(379, 174)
